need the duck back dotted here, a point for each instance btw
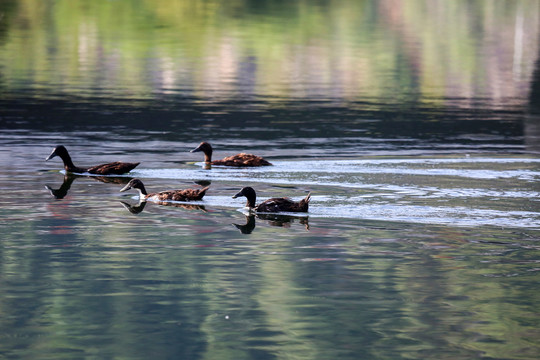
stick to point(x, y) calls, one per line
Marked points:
point(114, 168)
point(242, 160)
point(178, 195)
point(284, 205)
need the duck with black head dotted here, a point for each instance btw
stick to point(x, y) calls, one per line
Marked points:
point(170, 195)
point(274, 204)
point(114, 168)
point(238, 160)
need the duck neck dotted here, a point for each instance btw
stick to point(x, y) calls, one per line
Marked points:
point(208, 156)
point(142, 192)
point(251, 201)
point(68, 163)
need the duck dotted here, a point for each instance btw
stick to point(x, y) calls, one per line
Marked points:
point(171, 195)
point(114, 168)
point(274, 204)
point(238, 160)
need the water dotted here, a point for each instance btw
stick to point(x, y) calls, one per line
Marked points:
point(422, 239)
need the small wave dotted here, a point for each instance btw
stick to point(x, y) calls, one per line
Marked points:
point(333, 169)
point(354, 208)
point(456, 216)
point(409, 190)
point(343, 175)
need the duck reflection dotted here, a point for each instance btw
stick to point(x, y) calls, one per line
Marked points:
point(138, 208)
point(273, 220)
point(203, 183)
point(119, 180)
point(248, 227)
point(69, 178)
point(62, 191)
point(284, 220)
point(134, 209)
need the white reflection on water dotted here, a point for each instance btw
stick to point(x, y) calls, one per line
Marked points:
point(458, 216)
point(342, 173)
point(405, 190)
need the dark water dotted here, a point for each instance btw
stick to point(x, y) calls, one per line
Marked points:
point(413, 124)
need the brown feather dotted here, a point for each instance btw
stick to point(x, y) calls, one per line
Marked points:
point(178, 195)
point(242, 160)
point(171, 195)
point(114, 168)
point(283, 205)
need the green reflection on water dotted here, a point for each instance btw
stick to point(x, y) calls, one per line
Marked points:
point(344, 50)
point(88, 278)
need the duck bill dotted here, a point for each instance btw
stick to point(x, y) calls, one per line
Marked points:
point(238, 195)
point(53, 154)
point(197, 149)
point(125, 188)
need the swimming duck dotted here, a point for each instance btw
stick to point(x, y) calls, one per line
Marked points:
point(274, 204)
point(174, 195)
point(114, 168)
point(238, 160)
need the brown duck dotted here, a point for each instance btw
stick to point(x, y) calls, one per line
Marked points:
point(274, 204)
point(114, 168)
point(171, 195)
point(238, 160)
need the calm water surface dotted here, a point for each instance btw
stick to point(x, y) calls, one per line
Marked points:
point(413, 124)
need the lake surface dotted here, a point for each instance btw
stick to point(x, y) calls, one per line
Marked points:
point(414, 125)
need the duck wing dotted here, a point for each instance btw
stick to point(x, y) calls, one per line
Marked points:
point(275, 205)
point(179, 195)
point(284, 205)
point(242, 160)
point(114, 168)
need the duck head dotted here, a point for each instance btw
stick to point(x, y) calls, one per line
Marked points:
point(250, 195)
point(60, 150)
point(206, 148)
point(135, 184)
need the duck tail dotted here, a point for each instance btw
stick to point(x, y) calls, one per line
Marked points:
point(303, 205)
point(202, 192)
